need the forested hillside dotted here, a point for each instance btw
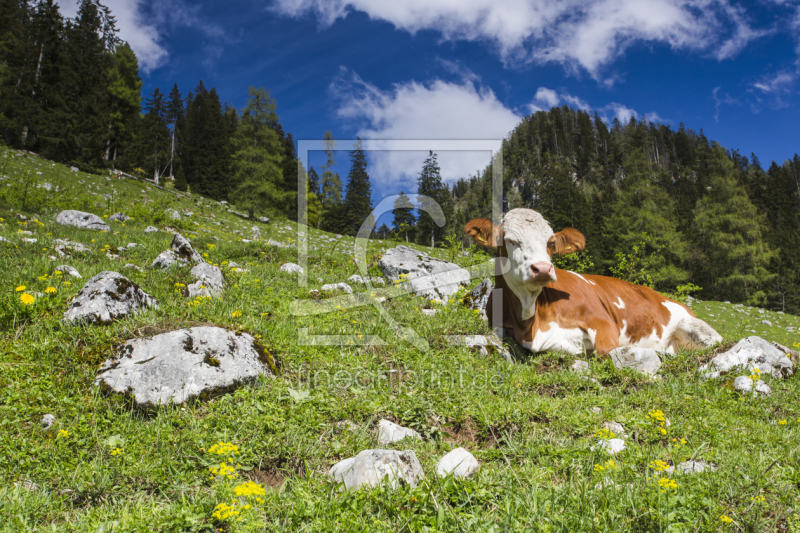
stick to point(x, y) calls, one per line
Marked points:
point(70, 91)
point(676, 205)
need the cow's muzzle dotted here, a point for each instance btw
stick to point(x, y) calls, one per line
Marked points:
point(543, 272)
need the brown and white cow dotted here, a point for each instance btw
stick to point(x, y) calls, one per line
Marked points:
point(545, 308)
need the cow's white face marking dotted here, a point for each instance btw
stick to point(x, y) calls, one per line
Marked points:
point(525, 235)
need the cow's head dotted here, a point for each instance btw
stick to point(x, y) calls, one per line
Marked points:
point(527, 241)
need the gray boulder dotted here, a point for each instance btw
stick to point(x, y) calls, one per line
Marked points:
point(150, 229)
point(179, 365)
point(611, 446)
point(581, 367)
point(770, 358)
point(166, 259)
point(372, 467)
point(209, 280)
point(121, 217)
point(424, 276)
point(263, 220)
point(48, 421)
point(389, 432)
point(107, 297)
point(480, 343)
point(79, 219)
point(479, 297)
point(459, 463)
point(645, 360)
point(69, 271)
point(173, 214)
point(183, 248)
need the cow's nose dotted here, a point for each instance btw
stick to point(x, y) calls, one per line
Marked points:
point(543, 271)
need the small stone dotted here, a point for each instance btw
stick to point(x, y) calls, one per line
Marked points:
point(744, 385)
point(333, 287)
point(429, 312)
point(48, 421)
point(645, 360)
point(616, 428)
point(209, 281)
point(611, 446)
point(459, 463)
point(107, 297)
point(389, 432)
point(580, 366)
point(597, 410)
point(121, 217)
point(291, 268)
point(695, 467)
point(81, 220)
point(150, 229)
point(371, 467)
point(766, 322)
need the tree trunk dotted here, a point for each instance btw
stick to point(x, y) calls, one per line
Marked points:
point(33, 91)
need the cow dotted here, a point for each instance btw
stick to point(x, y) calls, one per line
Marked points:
point(548, 309)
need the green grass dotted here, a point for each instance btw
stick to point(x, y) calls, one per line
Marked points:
point(531, 424)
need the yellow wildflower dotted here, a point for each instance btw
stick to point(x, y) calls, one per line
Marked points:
point(27, 299)
point(20, 288)
point(51, 290)
point(236, 314)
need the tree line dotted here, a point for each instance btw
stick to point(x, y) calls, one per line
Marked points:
point(70, 90)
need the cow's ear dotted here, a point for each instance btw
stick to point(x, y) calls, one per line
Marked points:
point(483, 231)
point(566, 241)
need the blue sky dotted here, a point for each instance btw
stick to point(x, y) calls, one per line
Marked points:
point(470, 69)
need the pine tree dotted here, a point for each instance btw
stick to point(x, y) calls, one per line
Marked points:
point(257, 158)
point(88, 63)
point(313, 181)
point(403, 215)
point(429, 184)
point(124, 88)
point(643, 207)
point(358, 198)
point(730, 232)
point(16, 53)
point(155, 134)
point(175, 114)
point(331, 183)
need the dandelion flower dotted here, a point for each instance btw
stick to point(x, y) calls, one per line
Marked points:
point(236, 314)
point(51, 290)
point(27, 299)
point(20, 288)
point(781, 422)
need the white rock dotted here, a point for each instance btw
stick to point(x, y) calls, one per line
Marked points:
point(695, 467)
point(645, 360)
point(291, 268)
point(29, 241)
point(616, 428)
point(459, 462)
point(611, 446)
point(107, 297)
point(209, 278)
point(479, 297)
point(389, 432)
point(150, 229)
point(179, 365)
point(121, 217)
point(580, 366)
point(333, 287)
point(48, 421)
point(371, 467)
point(431, 278)
point(752, 351)
point(485, 345)
point(744, 385)
point(429, 312)
point(79, 219)
point(766, 322)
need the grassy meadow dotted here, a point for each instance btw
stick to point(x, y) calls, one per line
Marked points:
point(108, 466)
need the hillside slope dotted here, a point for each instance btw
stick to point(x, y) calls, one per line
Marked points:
point(536, 426)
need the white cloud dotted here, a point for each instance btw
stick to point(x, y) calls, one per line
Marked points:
point(546, 96)
point(577, 33)
point(142, 36)
point(438, 110)
point(618, 111)
point(777, 82)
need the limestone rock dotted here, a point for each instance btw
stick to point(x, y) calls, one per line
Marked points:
point(611, 446)
point(616, 428)
point(291, 268)
point(107, 297)
point(69, 271)
point(165, 260)
point(645, 360)
point(479, 297)
point(459, 462)
point(333, 287)
point(371, 467)
point(183, 248)
point(209, 281)
point(744, 385)
point(389, 432)
point(752, 351)
point(66, 248)
point(695, 467)
point(48, 421)
point(424, 276)
point(173, 214)
point(121, 217)
point(150, 229)
point(79, 219)
point(581, 367)
point(482, 344)
point(179, 365)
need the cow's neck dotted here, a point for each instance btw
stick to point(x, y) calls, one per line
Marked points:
point(527, 299)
